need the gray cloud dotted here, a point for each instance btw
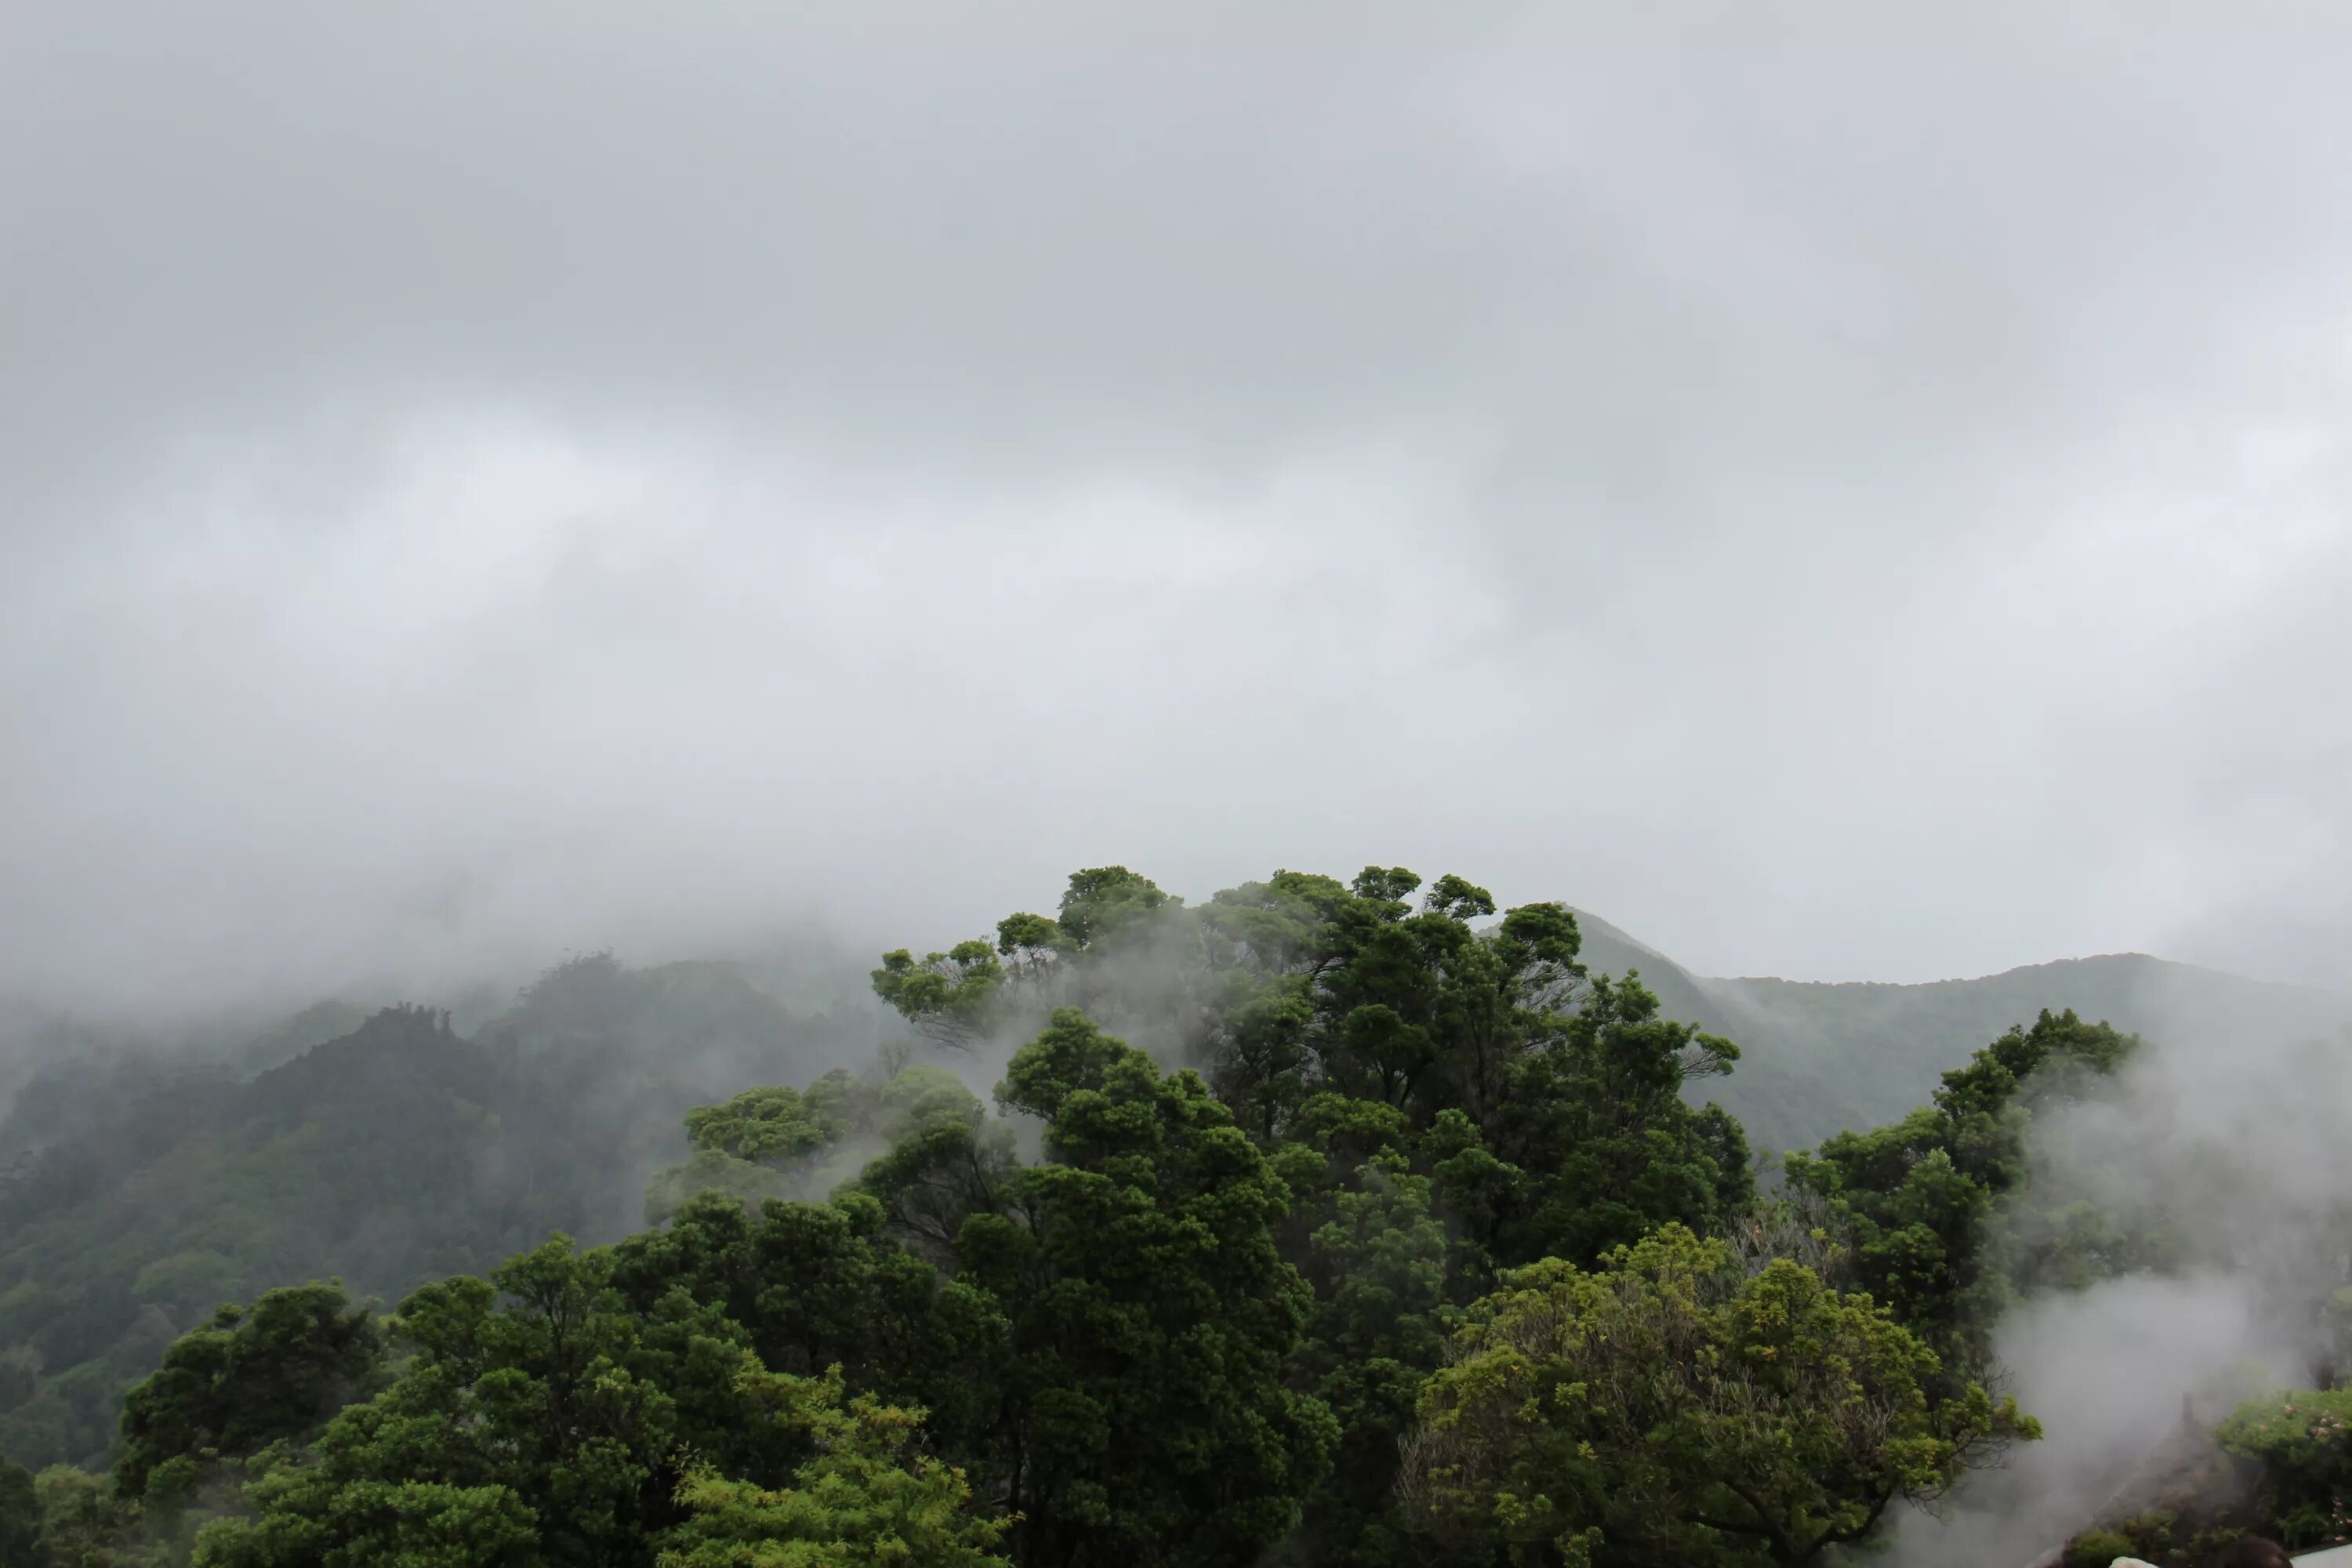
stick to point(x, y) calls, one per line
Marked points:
point(1854, 491)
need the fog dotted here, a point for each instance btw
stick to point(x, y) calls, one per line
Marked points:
point(1844, 493)
point(2229, 1138)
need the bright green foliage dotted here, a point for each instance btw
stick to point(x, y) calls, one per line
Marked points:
point(373, 1522)
point(867, 1498)
point(2303, 1441)
point(946, 994)
point(252, 1376)
point(1669, 1408)
point(764, 1126)
point(1918, 1198)
point(782, 1143)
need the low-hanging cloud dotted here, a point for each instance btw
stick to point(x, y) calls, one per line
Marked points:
point(1839, 495)
point(2225, 1138)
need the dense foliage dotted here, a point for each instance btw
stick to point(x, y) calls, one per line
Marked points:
point(1920, 1198)
point(1668, 1408)
point(146, 1192)
point(1317, 1223)
point(2303, 1441)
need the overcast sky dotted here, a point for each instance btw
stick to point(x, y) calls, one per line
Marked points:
point(1843, 491)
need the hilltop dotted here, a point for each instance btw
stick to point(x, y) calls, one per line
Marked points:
point(1819, 1057)
point(139, 1186)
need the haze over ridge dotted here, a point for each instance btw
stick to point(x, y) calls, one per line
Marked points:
point(1850, 494)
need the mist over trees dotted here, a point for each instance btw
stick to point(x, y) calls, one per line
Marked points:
point(144, 1191)
point(1320, 1223)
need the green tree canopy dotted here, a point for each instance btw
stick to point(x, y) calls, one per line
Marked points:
point(1440, 1085)
point(1918, 1198)
point(1143, 1415)
point(1670, 1408)
point(20, 1518)
point(777, 1141)
point(252, 1376)
point(866, 1499)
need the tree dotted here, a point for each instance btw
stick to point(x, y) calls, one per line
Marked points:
point(1142, 1415)
point(1120, 948)
point(1918, 1199)
point(2303, 1441)
point(1669, 1408)
point(1439, 1088)
point(813, 1286)
point(1286, 991)
point(20, 1519)
point(82, 1520)
point(945, 995)
point(776, 1141)
point(375, 1522)
point(1596, 1121)
point(536, 1420)
point(1379, 1268)
point(865, 1499)
point(251, 1376)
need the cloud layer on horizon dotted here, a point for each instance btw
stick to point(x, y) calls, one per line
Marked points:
point(1842, 496)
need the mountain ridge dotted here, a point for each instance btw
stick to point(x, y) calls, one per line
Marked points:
point(1820, 1056)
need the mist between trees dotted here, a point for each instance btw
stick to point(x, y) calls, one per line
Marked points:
point(1320, 1223)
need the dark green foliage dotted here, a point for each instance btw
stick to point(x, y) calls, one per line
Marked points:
point(252, 1376)
point(541, 1420)
point(1152, 1315)
point(1291, 992)
point(1407, 1067)
point(1378, 1266)
point(1141, 1413)
point(20, 1519)
point(366, 1155)
point(1276, 1187)
point(1918, 1199)
point(1105, 1353)
point(814, 1286)
point(148, 1194)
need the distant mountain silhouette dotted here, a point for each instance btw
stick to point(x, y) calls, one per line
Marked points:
point(1818, 1058)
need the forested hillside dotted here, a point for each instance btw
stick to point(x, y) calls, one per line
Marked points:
point(1318, 1223)
point(141, 1191)
point(1820, 1058)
